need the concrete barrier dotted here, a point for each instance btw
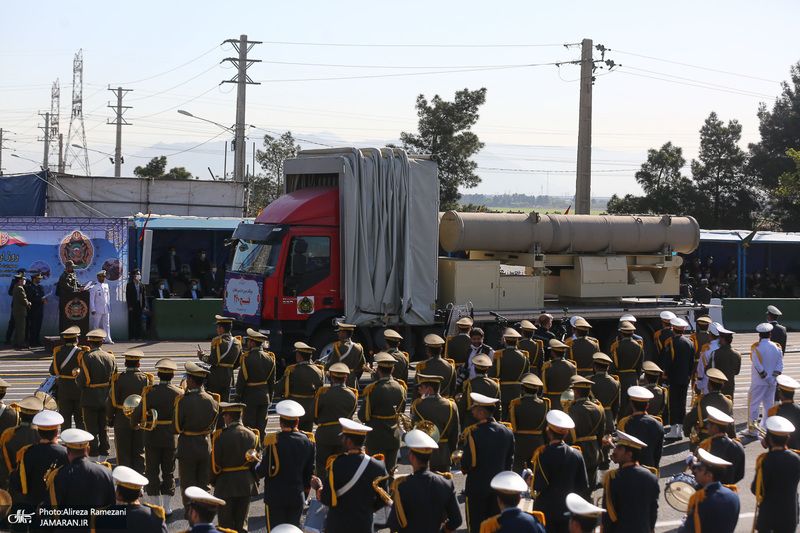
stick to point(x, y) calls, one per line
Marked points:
point(177, 319)
point(744, 314)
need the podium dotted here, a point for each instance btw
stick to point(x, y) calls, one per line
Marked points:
point(73, 310)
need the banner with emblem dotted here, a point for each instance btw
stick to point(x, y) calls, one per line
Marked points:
point(42, 245)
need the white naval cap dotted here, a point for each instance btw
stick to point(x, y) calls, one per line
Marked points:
point(286, 528)
point(667, 315)
point(717, 416)
point(482, 400)
point(419, 441)
point(771, 309)
point(559, 421)
point(713, 328)
point(764, 327)
point(289, 409)
point(128, 478)
point(353, 427)
point(640, 394)
point(625, 439)
point(627, 318)
point(48, 420)
point(722, 329)
point(196, 495)
point(711, 459)
point(784, 382)
point(76, 439)
point(678, 322)
point(779, 425)
point(574, 319)
point(579, 506)
point(509, 482)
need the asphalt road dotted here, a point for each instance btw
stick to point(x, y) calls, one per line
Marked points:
point(25, 371)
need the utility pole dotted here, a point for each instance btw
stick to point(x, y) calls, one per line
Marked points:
point(60, 153)
point(1, 151)
point(243, 46)
point(46, 129)
point(119, 122)
point(583, 182)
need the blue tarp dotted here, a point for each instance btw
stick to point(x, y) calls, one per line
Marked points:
point(23, 195)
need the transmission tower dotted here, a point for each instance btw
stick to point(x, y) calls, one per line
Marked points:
point(55, 111)
point(77, 133)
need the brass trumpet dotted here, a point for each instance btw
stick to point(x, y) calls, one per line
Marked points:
point(252, 456)
point(456, 456)
point(404, 421)
point(76, 371)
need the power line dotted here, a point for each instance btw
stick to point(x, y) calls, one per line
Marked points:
point(732, 91)
point(174, 86)
point(697, 81)
point(393, 66)
point(172, 69)
point(360, 45)
point(698, 67)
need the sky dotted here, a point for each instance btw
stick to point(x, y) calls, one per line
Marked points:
point(348, 73)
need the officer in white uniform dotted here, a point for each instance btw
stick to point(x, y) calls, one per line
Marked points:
point(767, 364)
point(705, 358)
point(100, 305)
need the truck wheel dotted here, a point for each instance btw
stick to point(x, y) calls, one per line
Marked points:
point(323, 340)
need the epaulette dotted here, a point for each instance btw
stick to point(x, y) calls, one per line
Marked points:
point(621, 424)
point(403, 383)
point(732, 487)
point(216, 396)
point(790, 449)
point(538, 451)
point(367, 389)
point(270, 438)
point(539, 516)
point(658, 418)
point(146, 389)
point(446, 475)
point(616, 377)
point(760, 458)
point(217, 433)
point(569, 342)
point(379, 457)
point(547, 401)
point(150, 377)
point(508, 425)
point(355, 391)
point(467, 431)
point(397, 482)
point(490, 525)
point(737, 439)
point(496, 380)
point(321, 367)
point(216, 341)
point(322, 390)
point(451, 361)
point(105, 463)
point(309, 435)
point(653, 469)
point(226, 530)
point(289, 369)
point(238, 338)
point(515, 401)
point(21, 453)
point(754, 345)
point(546, 364)
point(578, 448)
point(329, 461)
point(526, 354)
point(158, 511)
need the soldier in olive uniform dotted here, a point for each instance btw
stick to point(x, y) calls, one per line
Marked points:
point(627, 355)
point(606, 390)
point(509, 365)
point(589, 418)
point(644, 427)
point(383, 401)
point(481, 384)
point(582, 348)
point(20, 305)
point(193, 419)
point(718, 443)
point(256, 381)
point(81, 482)
point(300, 382)
point(787, 408)
point(488, 449)
point(436, 365)
point(128, 440)
point(65, 361)
point(94, 379)
point(232, 474)
point(402, 360)
point(160, 441)
point(443, 413)
point(726, 359)
point(631, 491)
point(348, 352)
point(27, 481)
point(697, 415)
point(659, 404)
point(456, 347)
point(139, 516)
point(533, 346)
point(332, 402)
point(15, 439)
point(558, 470)
point(527, 416)
point(556, 373)
point(9, 415)
point(287, 467)
point(225, 356)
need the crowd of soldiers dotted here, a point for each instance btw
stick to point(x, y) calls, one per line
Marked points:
point(537, 415)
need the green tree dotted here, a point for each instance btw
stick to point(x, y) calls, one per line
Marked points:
point(728, 200)
point(178, 173)
point(154, 169)
point(769, 159)
point(268, 187)
point(444, 132)
point(789, 182)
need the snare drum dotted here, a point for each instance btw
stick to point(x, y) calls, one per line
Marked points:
point(679, 490)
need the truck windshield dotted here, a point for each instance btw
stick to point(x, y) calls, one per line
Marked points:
point(256, 257)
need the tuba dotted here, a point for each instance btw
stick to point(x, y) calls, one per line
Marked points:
point(252, 456)
point(428, 427)
point(567, 397)
point(404, 421)
point(130, 404)
point(149, 419)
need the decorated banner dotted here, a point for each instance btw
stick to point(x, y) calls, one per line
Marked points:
point(242, 299)
point(43, 245)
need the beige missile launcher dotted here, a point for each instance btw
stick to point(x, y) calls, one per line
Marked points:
point(574, 257)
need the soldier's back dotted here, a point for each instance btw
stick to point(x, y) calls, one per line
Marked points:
point(81, 483)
